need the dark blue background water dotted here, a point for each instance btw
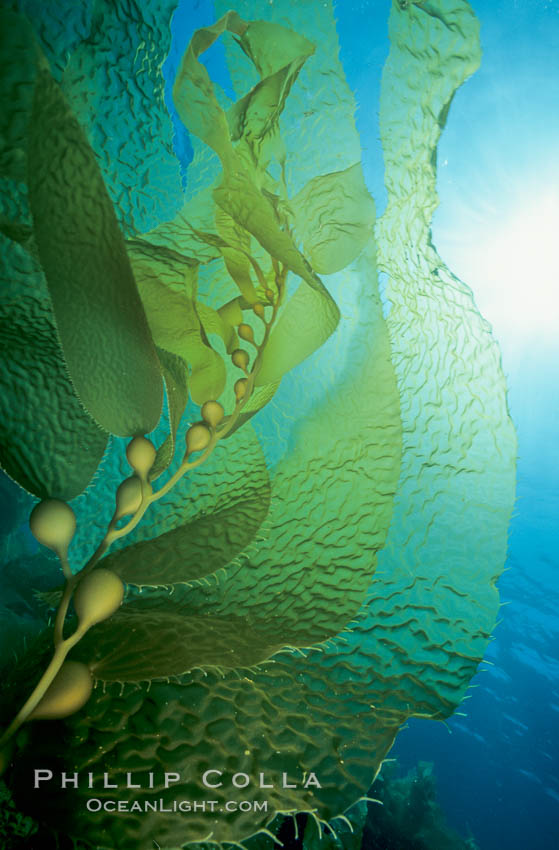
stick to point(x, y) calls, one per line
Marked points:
point(497, 768)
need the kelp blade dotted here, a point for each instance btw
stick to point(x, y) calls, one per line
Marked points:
point(167, 284)
point(239, 193)
point(175, 375)
point(48, 443)
point(105, 337)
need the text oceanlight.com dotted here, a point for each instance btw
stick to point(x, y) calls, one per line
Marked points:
point(185, 806)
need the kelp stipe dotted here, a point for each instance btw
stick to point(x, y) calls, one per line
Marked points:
point(287, 653)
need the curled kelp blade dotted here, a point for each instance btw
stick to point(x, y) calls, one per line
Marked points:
point(235, 251)
point(49, 444)
point(167, 284)
point(278, 55)
point(303, 326)
point(334, 215)
point(100, 320)
point(240, 192)
point(217, 322)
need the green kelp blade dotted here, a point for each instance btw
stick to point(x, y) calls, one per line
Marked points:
point(142, 643)
point(334, 217)
point(193, 93)
point(167, 284)
point(105, 337)
point(211, 539)
point(48, 443)
point(271, 46)
point(175, 375)
point(255, 115)
point(214, 322)
point(244, 202)
point(236, 254)
point(232, 311)
point(303, 326)
point(278, 54)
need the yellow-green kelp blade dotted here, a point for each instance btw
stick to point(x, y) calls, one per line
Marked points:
point(303, 326)
point(167, 284)
point(437, 603)
point(334, 215)
point(101, 323)
point(240, 192)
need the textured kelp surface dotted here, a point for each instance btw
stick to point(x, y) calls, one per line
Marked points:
point(330, 571)
point(448, 537)
point(48, 442)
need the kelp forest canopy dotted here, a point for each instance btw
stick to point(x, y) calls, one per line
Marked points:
point(328, 568)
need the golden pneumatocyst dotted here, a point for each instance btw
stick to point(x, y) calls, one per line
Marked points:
point(197, 437)
point(128, 496)
point(245, 332)
point(212, 413)
point(140, 453)
point(53, 523)
point(67, 693)
point(97, 596)
point(240, 388)
point(240, 359)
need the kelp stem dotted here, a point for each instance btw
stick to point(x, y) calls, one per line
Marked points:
point(65, 564)
point(43, 684)
point(62, 609)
